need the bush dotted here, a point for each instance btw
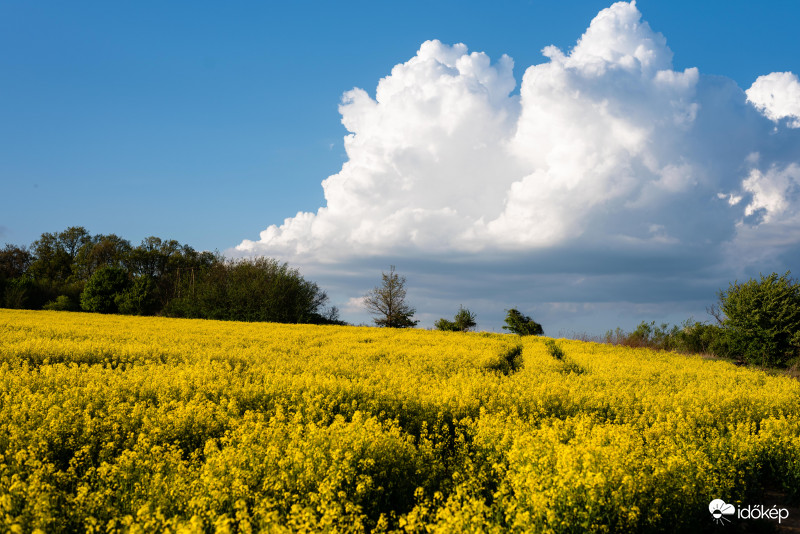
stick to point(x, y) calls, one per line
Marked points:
point(703, 339)
point(658, 337)
point(103, 289)
point(762, 319)
point(61, 303)
point(463, 321)
point(141, 298)
point(26, 293)
point(16, 293)
point(445, 326)
point(692, 337)
point(521, 324)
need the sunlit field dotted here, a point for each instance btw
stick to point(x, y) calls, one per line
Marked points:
point(129, 424)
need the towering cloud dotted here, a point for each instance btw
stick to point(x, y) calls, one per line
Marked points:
point(604, 145)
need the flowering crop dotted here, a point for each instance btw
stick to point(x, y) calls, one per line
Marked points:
point(132, 424)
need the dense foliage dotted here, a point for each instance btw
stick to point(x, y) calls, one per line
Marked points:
point(261, 289)
point(464, 321)
point(691, 337)
point(762, 319)
point(758, 322)
point(140, 424)
point(520, 324)
point(105, 287)
point(74, 270)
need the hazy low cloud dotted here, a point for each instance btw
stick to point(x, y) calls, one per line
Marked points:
point(605, 152)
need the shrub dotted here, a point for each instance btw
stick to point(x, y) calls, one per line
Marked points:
point(692, 337)
point(463, 321)
point(656, 337)
point(762, 319)
point(61, 303)
point(26, 293)
point(16, 293)
point(703, 338)
point(521, 324)
point(103, 288)
point(445, 325)
point(141, 298)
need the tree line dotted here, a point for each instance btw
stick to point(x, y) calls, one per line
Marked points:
point(757, 321)
point(74, 270)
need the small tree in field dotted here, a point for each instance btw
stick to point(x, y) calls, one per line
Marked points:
point(388, 302)
point(519, 323)
point(462, 322)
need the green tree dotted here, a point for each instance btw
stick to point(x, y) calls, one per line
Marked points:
point(14, 264)
point(260, 289)
point(51, 262)
point(104, 289)
point(152, 257)
point(388, 302)
point(52, 269)
point(139, 298)
point(521, 324)
point(55, 254)
point(72, 240)
point(762, 319)
point(101, 250)
point(14, 261)
point(463, 321)
point(265, 290)
point(174, 268)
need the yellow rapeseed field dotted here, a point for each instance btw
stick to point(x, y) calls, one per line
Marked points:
point(132, 424)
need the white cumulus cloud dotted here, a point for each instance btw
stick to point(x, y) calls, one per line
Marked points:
point(777, 96)
point(604, 146)
point(773, 192)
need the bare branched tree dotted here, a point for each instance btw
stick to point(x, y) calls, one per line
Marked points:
point(716, 313)
point(388, 302)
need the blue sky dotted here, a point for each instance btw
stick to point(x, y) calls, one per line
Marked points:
point(208, 123)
